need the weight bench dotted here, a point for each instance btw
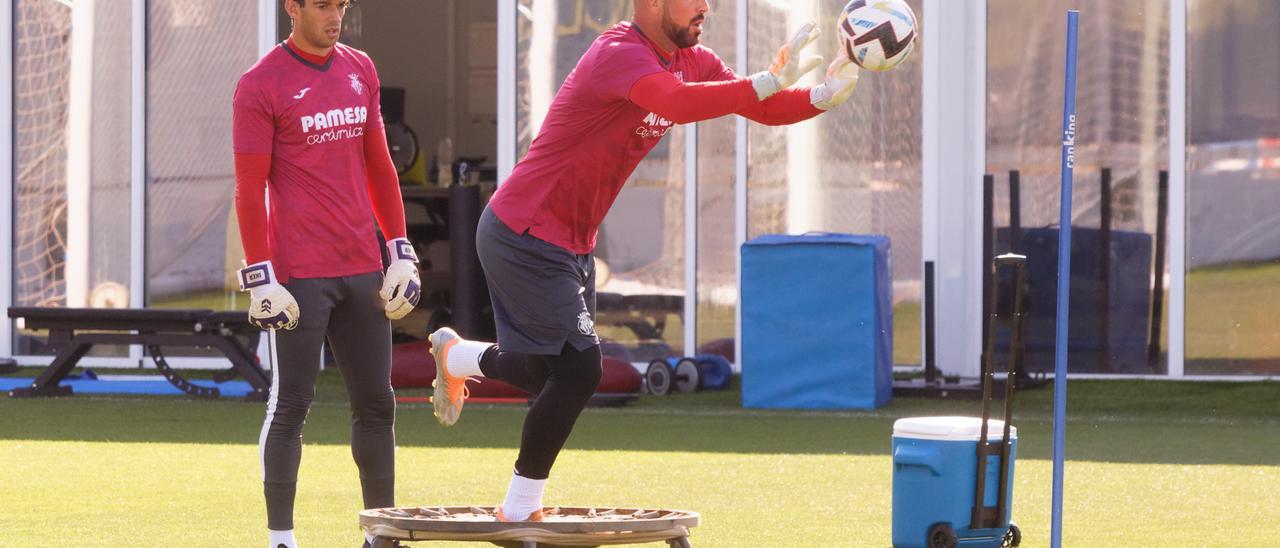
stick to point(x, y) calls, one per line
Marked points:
point(644, 315)
point(74, 331)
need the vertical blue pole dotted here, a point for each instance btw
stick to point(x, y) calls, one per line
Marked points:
point(1064, 277)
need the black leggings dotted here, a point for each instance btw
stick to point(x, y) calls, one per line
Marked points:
point(347, 313)
point(561, 384)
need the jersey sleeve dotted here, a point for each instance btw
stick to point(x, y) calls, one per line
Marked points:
point(251, 206)
point(374, 121)
point(786, 107)
point(665, 95)
point(618, 66)
point(383, 184)
point(252, 120)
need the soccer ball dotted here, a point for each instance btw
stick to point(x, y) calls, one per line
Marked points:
point(877, 34)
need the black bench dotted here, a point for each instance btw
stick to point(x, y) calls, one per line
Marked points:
point(74, 331)
point(644, 315)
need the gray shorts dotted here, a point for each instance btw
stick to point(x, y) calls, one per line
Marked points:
point(543, 295)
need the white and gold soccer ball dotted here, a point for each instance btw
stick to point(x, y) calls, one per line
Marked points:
point(877, 34)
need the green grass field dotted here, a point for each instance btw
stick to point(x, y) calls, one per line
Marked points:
point(1151, 464)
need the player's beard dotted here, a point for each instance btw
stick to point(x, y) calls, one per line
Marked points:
point(683, 37)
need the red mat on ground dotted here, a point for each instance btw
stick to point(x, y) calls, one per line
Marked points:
point(413, 367)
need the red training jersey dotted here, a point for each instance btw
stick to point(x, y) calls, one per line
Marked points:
point(313, 120)
point(594, 136)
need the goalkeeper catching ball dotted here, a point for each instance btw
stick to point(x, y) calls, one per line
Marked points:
point(535, 238)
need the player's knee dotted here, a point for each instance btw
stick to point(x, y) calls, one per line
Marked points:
point(379, 408)
point(293, 408)
point(288, 416)
point(581, 370)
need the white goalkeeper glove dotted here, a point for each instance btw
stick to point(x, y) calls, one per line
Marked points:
point(788, 66)
point(401, 287)
point(271, 306)
point(842, 77)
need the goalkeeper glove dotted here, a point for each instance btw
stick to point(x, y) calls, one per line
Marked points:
point(401, 287)
point(271, 306)
point(788, 66)
point(842, 77)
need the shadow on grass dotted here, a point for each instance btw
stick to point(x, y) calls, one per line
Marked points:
point(1110, 421)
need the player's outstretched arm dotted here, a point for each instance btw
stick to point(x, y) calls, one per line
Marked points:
point(800, 104)
point(665, 95)
point(680, 102)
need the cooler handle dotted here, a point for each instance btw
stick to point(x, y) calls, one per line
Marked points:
point(912, 455)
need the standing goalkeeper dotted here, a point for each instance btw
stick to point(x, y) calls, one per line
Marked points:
point(536, 237)
point(308, 130)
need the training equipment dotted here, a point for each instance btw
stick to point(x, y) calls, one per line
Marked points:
point(401, 287)
point(877, 34)
point(74, 331)
point(412, 366)
point(788, 66)
point(140, 385)
point(271, 306)
point(953, 476)
point(561, 526)
point(701, 372)
point(1064, 277)
point(816, 326)
point(841, 78)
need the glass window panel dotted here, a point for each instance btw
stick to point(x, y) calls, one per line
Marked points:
point(193, 244)
point(1122, 113)
point(72, 156)
point(641, 242)
point(856, 169)
point(1233, 186)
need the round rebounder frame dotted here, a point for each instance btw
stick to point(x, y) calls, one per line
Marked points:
point(561, 526)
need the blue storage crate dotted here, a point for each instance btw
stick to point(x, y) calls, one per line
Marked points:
point(817, 329)
point(935, 479)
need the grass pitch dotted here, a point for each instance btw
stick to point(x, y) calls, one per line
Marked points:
point(1150, 464)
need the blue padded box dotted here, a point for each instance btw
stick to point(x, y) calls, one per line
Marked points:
point(817, 329)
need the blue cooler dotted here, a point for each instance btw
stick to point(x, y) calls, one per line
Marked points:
point(935, 478)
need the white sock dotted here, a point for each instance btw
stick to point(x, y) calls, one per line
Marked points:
point(463, 359)
point(524, 496)
point(282, 537)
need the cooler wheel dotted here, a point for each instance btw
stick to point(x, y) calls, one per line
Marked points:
point(1013, 536)
point(941, 535)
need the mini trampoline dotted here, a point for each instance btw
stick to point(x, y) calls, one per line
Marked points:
point(561, 526)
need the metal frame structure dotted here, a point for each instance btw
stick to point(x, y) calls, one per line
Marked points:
point(690, 239)
point(954, 159)
point(1177, 186)
point(138, 164)
point(953, 162)
point(6, 167)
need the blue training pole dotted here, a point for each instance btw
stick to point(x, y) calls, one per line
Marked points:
point(1064, 277)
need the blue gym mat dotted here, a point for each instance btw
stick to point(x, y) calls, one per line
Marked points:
point(131, 384)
